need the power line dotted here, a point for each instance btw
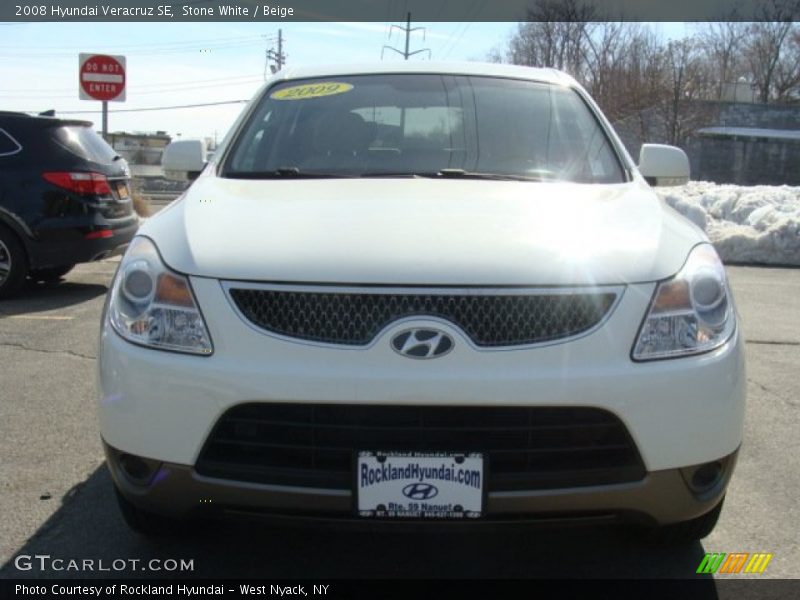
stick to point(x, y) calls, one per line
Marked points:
point(149, 52)
point(126, 46)
point(149, 108)
point(249, 81)
point(457, 40)
point(31, 55)
point(160, 86)
point(255, 80)
point(407, 29)
point(194, 81)
point(450, 37)
point(452, 41)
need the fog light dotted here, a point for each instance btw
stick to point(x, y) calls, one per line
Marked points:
point(138, 470)
point(707, 480)
point(706, 477)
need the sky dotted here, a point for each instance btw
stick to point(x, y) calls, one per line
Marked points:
point(174, 64)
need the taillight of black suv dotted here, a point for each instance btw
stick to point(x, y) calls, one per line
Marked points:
point(64, 198)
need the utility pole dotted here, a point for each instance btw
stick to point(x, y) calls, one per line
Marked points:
point(280, 49)
point(408, 34)
point(407, 29)
point(278, 56)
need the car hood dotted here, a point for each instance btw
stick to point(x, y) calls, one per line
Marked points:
point(423, 232)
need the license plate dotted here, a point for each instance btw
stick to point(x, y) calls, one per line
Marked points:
point(122, 190)
point(440, 485)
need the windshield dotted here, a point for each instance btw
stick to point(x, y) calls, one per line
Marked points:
point(410, 124)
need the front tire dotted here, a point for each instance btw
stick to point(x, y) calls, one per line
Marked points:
point(13, 263)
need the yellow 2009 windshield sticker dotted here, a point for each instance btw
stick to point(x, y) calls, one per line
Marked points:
point(311, 90)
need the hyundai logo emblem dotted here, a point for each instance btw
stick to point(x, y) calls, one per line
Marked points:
point(422, 343)
point(420, 491)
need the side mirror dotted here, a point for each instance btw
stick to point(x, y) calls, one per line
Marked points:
point(184, 159)
point(663, 165)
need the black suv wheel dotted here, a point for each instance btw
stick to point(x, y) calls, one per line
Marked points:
point(13, 263)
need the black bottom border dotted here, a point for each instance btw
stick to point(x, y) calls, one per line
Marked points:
point(389, 589)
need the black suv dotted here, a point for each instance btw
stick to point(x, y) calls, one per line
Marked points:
point(64, 198)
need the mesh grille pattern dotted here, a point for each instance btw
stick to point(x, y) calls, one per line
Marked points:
point(356, 318)
point(313, 445)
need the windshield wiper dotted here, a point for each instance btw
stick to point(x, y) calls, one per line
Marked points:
point(296, 173)
point(462, 174)
point(284, 172)
point(379, 174)
point(453, 174)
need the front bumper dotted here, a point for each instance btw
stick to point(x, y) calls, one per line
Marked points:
point(660, 498)
point(163, 406)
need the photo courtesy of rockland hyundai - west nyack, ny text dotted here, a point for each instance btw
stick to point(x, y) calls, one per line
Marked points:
point(399, 298)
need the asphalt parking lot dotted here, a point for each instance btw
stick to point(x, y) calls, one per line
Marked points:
point(57, 497)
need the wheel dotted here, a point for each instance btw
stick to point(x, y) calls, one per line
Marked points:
point(13, 263)
point(51, 274)
point(689, 531)
point(146, 523)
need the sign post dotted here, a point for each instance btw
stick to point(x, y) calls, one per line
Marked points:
point(102, 77)
point(105, 119)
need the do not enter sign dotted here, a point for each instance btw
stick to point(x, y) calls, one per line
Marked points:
point(102, 77)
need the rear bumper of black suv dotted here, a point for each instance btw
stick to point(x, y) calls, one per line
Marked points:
point(80, 244)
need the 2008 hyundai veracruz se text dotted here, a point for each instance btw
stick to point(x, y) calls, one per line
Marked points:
point(423, 292)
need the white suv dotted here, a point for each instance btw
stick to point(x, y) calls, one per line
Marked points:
point(423, 292)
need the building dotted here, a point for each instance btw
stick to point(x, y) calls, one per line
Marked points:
point(139, 148)
point(730, 142)
point(739, 91)
point(746, 155)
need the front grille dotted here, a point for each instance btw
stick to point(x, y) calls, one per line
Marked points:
point(490, 320)
point(314, 445)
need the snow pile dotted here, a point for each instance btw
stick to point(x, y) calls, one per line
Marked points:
point(747, 224)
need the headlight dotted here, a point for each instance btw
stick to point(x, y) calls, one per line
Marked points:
point(153, 306)
point(690, 313)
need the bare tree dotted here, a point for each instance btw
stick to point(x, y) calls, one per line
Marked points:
point(664, 87)
point(642, 82)
point(624, 68)
point(554, 35)
point(495, 55)
point(661, 91)
point(722, 45)
point(605, 53)
point(786, 80)
point(765, 50)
